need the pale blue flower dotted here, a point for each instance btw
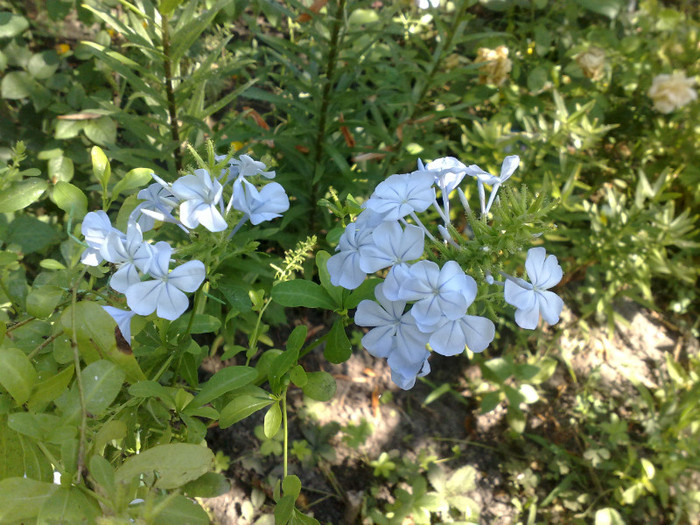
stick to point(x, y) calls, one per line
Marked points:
point(158, 203)
point(344, 267)
point(437, 291)
point(164, 294)
point(199, 196)
point(129, 253)
point(448, 173)
point(246, 166)
point(393, 329)
point(95, 228)
point(508, 167)
point(452, 336)
point(407, 382)
point(391, 244)
point(402, 195)
point(532, 299)
point(259, 206)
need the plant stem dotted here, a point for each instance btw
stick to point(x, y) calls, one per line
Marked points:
point(170, 93)
point(78, 380)
point(325, 102)
point(286, 431)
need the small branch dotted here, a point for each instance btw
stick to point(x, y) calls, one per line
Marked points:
point(172, 107)
point(79, 380)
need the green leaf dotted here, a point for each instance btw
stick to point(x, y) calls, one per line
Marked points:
point(100, 166)
point(11, 454)
point(68, 505)
point(490, 401)
point(148, 389)
point(22, 498)
point(67, 129)
point(179, 509)
point(236, 295)
point(102, 382)
point(136, 178)
point(61, 169)
point(224, 381)
point(250, 401)
point(291, 485)
point(516, 419)
point(302, 293)
point(529, 393)
point(282, 364)
point(12, 25)
point(296, 339)
point(320, 386)
point(31, 234)
point(43, 65)
point(17, 375)
point(168, 6)
point(335, 292)
point(101, 131)
point(210, 485)
point(50, 389)
point(338, 348)
point(174, 463)
point(42, 300)
point(70, 199)
point(272, 421)
point(21, 194)
point(16, 85)
point(102, 472)
point(284, 510)
point(298, 376)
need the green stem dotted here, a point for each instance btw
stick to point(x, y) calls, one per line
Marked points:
point(252, 346)
point(44, 345)
point(325, 102)
point(79, 380)
point(286, 431)
point(170, 92)
point(436, 66)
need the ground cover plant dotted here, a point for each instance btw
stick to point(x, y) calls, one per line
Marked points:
point(349, 262)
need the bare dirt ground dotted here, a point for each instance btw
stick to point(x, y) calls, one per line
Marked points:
point(335, 487)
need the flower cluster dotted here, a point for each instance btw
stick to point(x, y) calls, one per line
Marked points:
point(420, 304)
point(143, 272)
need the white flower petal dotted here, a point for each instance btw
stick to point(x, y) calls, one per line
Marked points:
point(479, 332)
point(510, 164)
point(379, 341)
point(534, 264)
point(123, 320)
point(550, 306)
point(124, 277)
point(173, 302)
point(143, 298)
point(344, 269)
point(527, 318)
point(518, 296)
point(188, 276)
point(449, 339)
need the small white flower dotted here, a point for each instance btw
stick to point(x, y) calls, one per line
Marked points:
point(158, 203)
point(403, 194)
point(246, 166)
point(531, 300)
point(425, 4)
point(508, 167)
point(129, 253)
point(344, 267)
point(471, 331)
point(671, 92)
point(393, 330)
point(95, 228)
point(260, 206)
point(391, 245)
point(437, 291)
point(407, 382)
point(123, 320)
point(199, 196)
point(448, 172)
point(164, 294)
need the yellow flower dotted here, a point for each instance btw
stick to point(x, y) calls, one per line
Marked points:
point(592, 62)
point(496, 66)
point(671, 92)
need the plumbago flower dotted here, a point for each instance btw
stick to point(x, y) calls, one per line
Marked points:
point(199, 196)
point(534, 299)
point(422, 305)
point(164, 293)
point(143, 272)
